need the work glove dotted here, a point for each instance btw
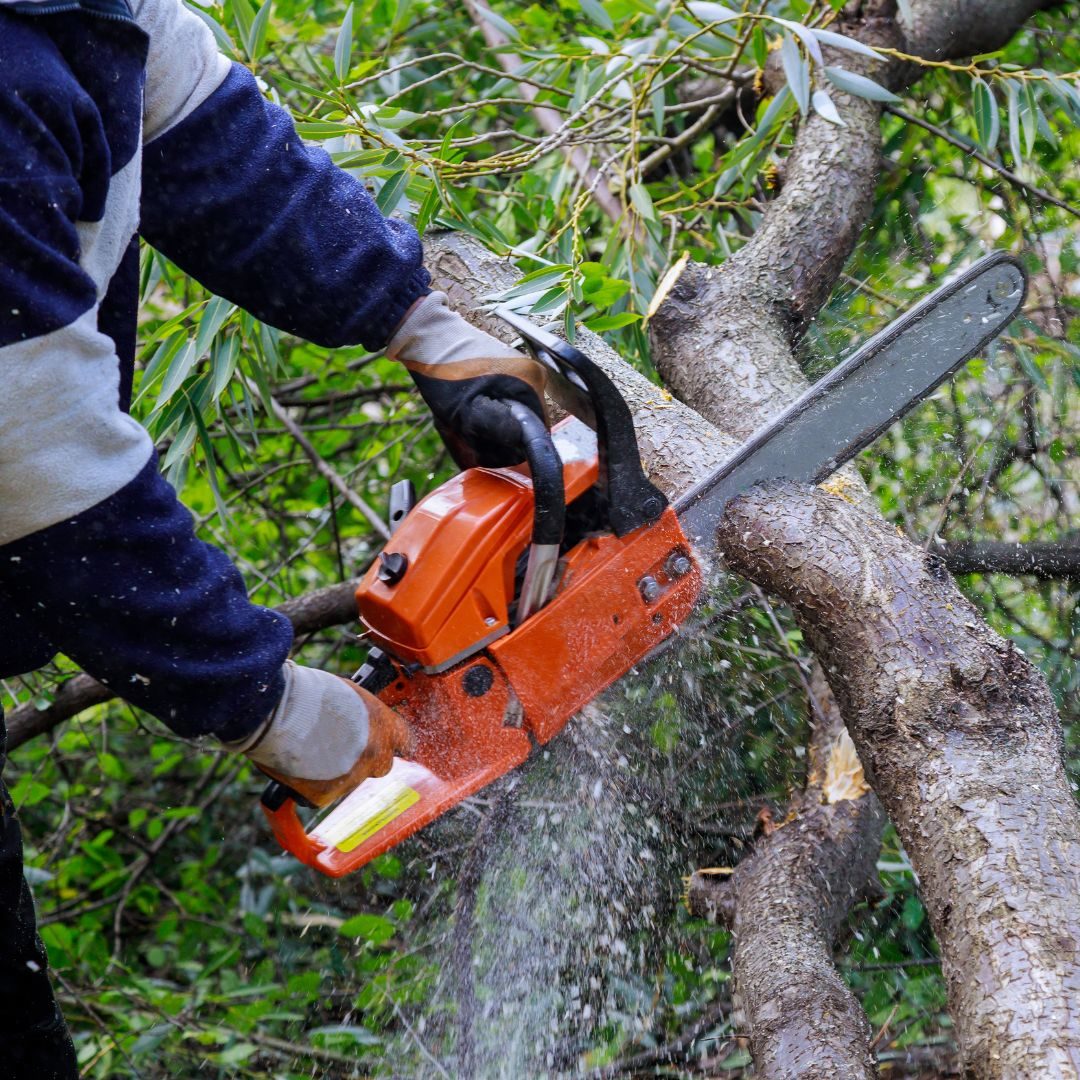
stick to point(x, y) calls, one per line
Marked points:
point(326, 736)
point(469, 381)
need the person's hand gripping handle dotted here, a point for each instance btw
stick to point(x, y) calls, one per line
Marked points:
point(470, 381)
point(326, 736)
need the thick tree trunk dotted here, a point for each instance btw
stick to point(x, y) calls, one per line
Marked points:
point(961, 741)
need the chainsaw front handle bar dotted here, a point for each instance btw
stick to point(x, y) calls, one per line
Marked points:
point(630, 499)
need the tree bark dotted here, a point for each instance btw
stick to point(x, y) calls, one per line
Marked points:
point(785, 903)
point(1059, 559)
point(961, 741)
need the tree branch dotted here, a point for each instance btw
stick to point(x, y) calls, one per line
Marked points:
point(724, 340)
point(960, 738)
point(785, 903)
point(973, 151)
point(1060, 559)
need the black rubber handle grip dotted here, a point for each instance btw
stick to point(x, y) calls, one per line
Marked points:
point(549, 493)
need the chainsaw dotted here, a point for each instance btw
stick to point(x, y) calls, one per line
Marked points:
point(507, 599)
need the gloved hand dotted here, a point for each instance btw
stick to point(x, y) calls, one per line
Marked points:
point(469, 381)
point(325, 736)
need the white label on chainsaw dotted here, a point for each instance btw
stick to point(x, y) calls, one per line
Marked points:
point(373, 805)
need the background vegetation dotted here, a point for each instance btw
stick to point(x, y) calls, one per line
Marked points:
point(183, 943)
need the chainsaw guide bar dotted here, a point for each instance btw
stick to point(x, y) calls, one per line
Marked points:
point(488, 637)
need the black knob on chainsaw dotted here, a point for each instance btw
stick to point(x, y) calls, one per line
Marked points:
point(392, 567)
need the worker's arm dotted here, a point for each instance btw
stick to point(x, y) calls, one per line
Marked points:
point(95, 550)
point(232, 194)
point(234, 197)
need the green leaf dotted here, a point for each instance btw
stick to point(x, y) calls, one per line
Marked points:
point(712, 13)
point(535, 281)
point(552, 300)
point(806, 36)
point(612, 322)
point(859, 85)
point(1013, 112)
point(596, 13)
point(255, 42)
point(987, 118)
point(498, 22)
point(1031, 367)
point(1029, 115)
point(238, 1053)
point(913, 914)
point(797, 72)
point(390, 193)
point(342, 1036)
point(642, 200)
point(243, 16)
point(374, 928)
point(216, 312)
point(178, 371)
point(841, 41)
point(343, 46)
point(428, 209)
point(825, 107)
point(223, 358)
point(322, 129)
point(759, 46)
point(658, 99)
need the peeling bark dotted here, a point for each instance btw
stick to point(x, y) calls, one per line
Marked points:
point(960, 738)
point(784, 905)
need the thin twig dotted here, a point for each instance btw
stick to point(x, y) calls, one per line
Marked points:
point(968, 148)
point(325, 469)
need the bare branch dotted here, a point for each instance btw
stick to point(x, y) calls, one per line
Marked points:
point(550, 120)
point(1042, 560)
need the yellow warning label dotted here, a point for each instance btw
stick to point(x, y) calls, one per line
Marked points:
point(393, 801)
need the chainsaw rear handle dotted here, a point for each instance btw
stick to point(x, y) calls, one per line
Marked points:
point(630, 499)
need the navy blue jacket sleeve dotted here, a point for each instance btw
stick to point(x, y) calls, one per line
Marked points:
point(235, 198)
point(129, 592)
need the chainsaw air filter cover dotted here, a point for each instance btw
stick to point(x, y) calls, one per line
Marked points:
point(461, 545)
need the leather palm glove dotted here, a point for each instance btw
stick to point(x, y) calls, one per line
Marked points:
point(326, 736)
point(469, 381)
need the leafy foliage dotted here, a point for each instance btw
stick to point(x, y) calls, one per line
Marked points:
point(183, 943)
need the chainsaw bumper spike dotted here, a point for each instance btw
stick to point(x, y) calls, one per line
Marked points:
point(508, 599)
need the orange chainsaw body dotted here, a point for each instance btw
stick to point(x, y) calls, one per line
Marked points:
point(477, 694)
